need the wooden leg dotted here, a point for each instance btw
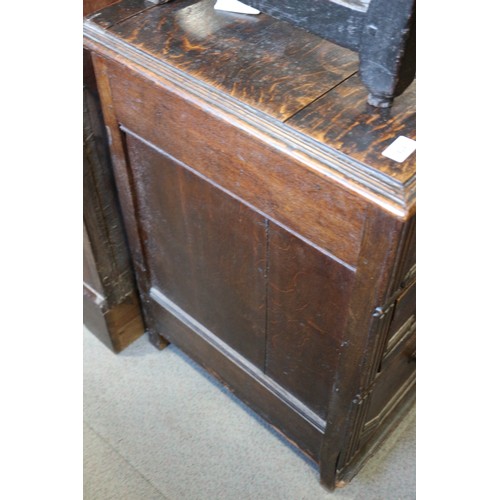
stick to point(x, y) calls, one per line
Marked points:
point(328, 474)
point(156, 339)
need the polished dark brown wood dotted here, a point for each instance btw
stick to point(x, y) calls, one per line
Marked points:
point(307, 310)
point(205, 250)
point(372, 285)
point(293, 420)
point(279, 259)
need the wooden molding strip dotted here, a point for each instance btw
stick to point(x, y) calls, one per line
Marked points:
point(372, 184)
point(389, 407)
point(250, 369)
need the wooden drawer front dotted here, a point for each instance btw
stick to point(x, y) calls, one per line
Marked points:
point(204, 250)
point(392, 381)
point(219, 148)
point(403, 316)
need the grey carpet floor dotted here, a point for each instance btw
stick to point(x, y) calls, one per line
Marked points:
point(157, 427)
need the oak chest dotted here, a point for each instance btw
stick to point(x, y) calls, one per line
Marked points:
point(111, 308)
point(271, 239)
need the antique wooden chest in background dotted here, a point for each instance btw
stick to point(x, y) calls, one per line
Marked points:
point(271, 239)
point(111, 308)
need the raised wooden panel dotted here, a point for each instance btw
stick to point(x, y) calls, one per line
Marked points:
point(308, 300)
point(390, 382)
point(205, 251)
point(273, 182)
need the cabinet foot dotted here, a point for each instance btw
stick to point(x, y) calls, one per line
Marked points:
point(328, 479)
point(157, 340)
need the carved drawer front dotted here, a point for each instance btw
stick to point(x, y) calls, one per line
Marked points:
point(393, 381)
point(410, 255)
point(404, 316)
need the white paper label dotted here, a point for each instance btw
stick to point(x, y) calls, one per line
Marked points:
point(400, 149)
point(235, 6)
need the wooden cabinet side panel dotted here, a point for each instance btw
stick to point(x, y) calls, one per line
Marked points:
point(204, 250)
point(308, 297)
point(270, 180)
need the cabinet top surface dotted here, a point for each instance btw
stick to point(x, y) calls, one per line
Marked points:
point(288, 78)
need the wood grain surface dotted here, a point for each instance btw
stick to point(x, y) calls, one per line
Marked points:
point(265, 226)
point(205, 250)
point(263, 62)
point(274, 183)
point(344, 120)
point(399, 369)
point(360, 338)
point(284, 73)
point(308, 299)
point(111, 305)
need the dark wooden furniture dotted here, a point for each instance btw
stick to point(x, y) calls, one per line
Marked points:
point(383, 32)
point(272, 240)
point(111, 308)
